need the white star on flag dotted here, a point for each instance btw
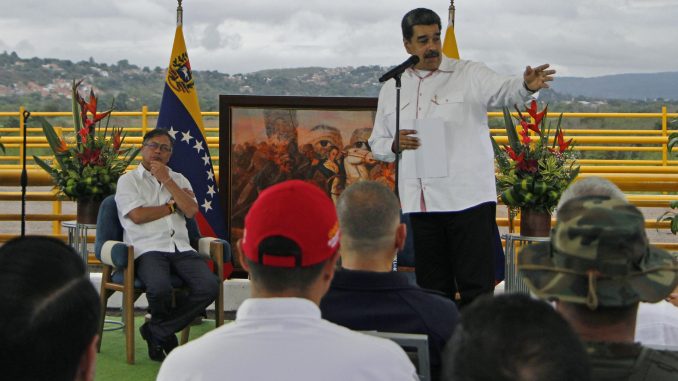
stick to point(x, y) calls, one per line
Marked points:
point(186, 136)
point(173, 132)
point(198, 146)
point(207, 205)
point(210, 175)
point(206, 159)
point(210, 190)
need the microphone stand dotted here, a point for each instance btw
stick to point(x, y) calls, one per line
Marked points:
point(24, 176)
point(396, 141)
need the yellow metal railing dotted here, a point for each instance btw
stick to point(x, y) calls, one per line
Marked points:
point(649, 182)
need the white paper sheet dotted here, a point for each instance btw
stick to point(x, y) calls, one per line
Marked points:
point(430, 159)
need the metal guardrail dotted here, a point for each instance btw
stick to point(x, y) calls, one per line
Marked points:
point(649, 182)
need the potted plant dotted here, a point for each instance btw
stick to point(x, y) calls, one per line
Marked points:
point(669, 215)
point(86, 166)
point(534, 168)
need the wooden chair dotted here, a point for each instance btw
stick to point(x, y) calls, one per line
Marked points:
point(117, 259)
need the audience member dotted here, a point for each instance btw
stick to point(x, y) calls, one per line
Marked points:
point(153, 204)
point(656, 323)
point(512, 337)
point(290, 247)
point(365, 294)
point(49, 312)
point(591, 186)
point(598, 266)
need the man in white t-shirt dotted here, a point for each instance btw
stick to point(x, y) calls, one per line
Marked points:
point(153, 204)
point(290, 247)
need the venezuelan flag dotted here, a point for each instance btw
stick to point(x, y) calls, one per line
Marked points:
point(450, 49)
point(180, 115)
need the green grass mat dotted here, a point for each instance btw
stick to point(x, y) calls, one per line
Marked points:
point(111, 361)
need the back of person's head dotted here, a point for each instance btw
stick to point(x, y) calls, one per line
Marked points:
point(369, 214)
point(513, 337)
point(49, 310)
point(418, 16)
point(591, 186)
point(599, 256)
point(291, 232)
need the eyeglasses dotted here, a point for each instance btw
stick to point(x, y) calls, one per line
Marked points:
point(163, 147)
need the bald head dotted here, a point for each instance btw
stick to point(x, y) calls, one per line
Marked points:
point(591, 186)
point(369, 217)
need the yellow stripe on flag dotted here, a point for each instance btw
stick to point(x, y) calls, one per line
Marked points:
point(182, 86)
point(450, 43)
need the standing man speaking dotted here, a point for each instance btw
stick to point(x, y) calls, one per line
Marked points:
point(453, 206)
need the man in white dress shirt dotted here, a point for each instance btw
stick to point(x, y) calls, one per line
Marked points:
point(153, 204)
point(290, 247)
point(452, 215)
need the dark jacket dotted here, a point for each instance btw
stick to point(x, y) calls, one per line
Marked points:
point(389, 302)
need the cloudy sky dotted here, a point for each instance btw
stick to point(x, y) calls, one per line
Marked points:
point(578, 37)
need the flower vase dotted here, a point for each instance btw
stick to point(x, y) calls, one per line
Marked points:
point(534, 223)
point(87, 211)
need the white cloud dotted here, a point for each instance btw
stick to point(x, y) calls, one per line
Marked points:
point(578, 37)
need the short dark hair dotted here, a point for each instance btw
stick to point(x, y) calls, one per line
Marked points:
point(418, 16)
point(514, 337)
point(368, 212)
point(158, 132)
point(275, 279)
point(49, 310)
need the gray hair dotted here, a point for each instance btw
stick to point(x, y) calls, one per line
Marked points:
point(368, 214)
point(591, 186)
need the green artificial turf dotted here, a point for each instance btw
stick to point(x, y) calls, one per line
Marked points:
point(112, 360)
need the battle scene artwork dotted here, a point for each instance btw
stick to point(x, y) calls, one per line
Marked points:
point(328, 148)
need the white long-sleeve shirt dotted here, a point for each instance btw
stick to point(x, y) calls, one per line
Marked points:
point(459, 93)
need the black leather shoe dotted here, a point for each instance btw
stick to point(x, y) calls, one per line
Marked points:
point(169, 343)
point(155, 349)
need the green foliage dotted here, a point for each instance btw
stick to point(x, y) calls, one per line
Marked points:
point(90, 167)
point(670, 216)
point(532, 171)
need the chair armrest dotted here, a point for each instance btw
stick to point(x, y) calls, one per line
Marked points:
point(209, 246)
point(114, 253)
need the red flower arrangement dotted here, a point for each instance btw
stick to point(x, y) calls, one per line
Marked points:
point(90, 167)
point(533, 169)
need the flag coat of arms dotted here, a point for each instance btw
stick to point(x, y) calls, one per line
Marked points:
point(180, 115)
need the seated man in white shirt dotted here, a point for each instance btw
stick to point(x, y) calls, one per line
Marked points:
point(153, 204)
point(290, 247)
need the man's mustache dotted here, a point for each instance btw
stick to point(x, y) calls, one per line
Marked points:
point(432, 54)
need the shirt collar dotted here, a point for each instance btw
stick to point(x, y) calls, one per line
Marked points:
point(277, 308)
point(362, 280)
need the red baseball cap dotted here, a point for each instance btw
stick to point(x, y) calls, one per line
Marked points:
point(296, 210)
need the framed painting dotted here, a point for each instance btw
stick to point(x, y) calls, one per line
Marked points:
point(265, 140)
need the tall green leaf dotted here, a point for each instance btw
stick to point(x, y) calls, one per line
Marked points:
point(53, 140)
point(514, 143)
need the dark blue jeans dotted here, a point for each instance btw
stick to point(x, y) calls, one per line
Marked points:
point(154, 269)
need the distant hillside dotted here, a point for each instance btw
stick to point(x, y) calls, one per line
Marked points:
point(622, 86)
point(45, 84)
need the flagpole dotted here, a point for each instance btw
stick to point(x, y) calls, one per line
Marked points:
point(180, 14)
point(451, 10)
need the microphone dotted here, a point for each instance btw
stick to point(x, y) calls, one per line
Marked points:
point(396, 71)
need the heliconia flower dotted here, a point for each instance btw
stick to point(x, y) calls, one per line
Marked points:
point(525, 136)
point(530, 126)
point(90, 157)
point(83, 133)
point(62, 147)
point(537, 116)
point(117, 141)
point(512, 154)
point(562, 144)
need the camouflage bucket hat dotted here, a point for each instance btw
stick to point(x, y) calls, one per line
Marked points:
point(598, 255)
